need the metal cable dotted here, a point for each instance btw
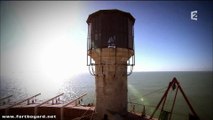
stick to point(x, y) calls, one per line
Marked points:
point(155, 91)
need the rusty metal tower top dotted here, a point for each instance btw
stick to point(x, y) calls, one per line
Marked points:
point(110, 29)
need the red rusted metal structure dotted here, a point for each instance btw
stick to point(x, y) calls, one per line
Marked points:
point(174, 84)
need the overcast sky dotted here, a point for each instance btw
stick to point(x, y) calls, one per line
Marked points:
point(47, 40)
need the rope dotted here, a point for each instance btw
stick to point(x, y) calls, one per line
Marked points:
point(92, 114)
point(153, 106)
point(155, 91)
point(179, 114)
point(168, 100)
point(83, 115)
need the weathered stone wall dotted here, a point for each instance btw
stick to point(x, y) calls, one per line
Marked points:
point(111, 82)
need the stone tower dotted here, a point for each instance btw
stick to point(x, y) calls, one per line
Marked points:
point(110, 52)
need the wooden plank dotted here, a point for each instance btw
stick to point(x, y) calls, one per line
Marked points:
point(49, 100)
point(62, 108)
point(1, 99)
point(36, 107)
point(74, 100)
point(24, 100)
point(7, 109)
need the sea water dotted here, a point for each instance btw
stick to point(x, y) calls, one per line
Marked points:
point(144, 89)
point(197, 86)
